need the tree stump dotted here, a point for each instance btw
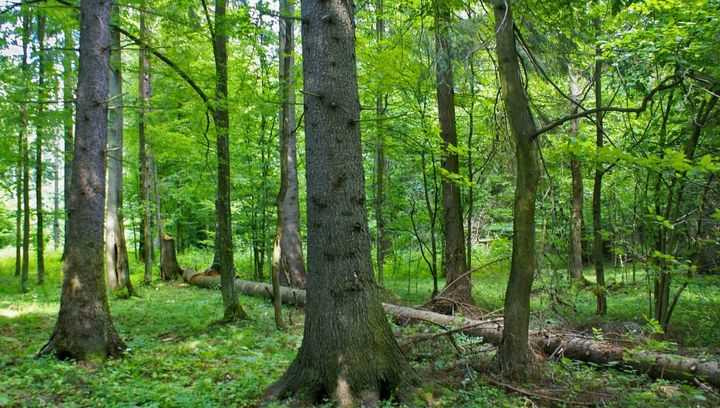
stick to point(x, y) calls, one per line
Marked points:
point(169, 267)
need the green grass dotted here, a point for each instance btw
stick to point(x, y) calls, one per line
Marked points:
point(178, 358)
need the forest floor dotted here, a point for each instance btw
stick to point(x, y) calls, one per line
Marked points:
point(178, 358)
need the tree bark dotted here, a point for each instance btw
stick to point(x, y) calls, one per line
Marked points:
point(84, 328)
point(221, 116)
point(40, 135)
point(515, 355)
point(576, 215)
point(144, 94)
point(117, 266)
point(287, 257)
point(25, 154)
point(598, 255)
point(458, 283)
point(348, 351)
point(68, 96)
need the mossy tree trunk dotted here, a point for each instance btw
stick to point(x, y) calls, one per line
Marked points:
point(348, 352)
point(84, 328)
point(515, 354)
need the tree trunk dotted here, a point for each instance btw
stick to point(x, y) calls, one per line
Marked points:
point(144, 93)
point(232, 309)
point(577, 347)
point(287, 257)
point(18, 209)
point(169, 266)
point(515, 355)
point(25, 154)
point(117, 266)
point(84, 329)
point(458, 282)
point(598, 256)
point(576, 215)
point(56, 201)
point(348, 351)
point(40, 134)
point(68, 96)
point(381, 242)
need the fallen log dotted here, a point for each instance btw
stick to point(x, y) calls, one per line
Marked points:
point(655, 364)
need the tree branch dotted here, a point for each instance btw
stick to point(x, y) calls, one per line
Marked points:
point(666, 83)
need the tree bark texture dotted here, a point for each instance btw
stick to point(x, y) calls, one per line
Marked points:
point(221, 116)
point(25, 154)
point(576, 215)
point(458, 282)
point(287, 257)
point(68, 96)
point(348, 351)
point(598, 255)
point(84, 329)
point(40, 135)
point(117, 266)
point(144, 93)
point(576, 347)
point(514, 352)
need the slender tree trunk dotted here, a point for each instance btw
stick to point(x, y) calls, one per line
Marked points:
point(348, 351)
point(25, 153)
point(598, 256)
point(40, 135)
point(287, 259)
point(381, 243)
point(431, 208)
point(156, 195)
point(68, 95)
point(515, 355)
point(576, 216)
point(145, 91)
point(470, 167)
point(117, 267)
point(18, 209)
point(84, 328)
point(56, 201)
point(458, 283)
point(232, 309)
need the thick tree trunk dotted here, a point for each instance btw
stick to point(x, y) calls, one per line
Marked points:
point(169, 266)
point(84, 329)
point(576, 216)
point(68, 96)
point(598, 253)
point(232, 309)
point(458, 283)
point(576, 347)
point(348, 351)
point(25, 154)
point(40, 135)
point(287, 257)
point(144, 93)
point(515, 355)
point(117, 266)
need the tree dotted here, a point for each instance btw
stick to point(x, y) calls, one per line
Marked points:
point(348, 352)
point(68, 145)
point(458, 282)
point(25, 155)
point(576, 215)
point(514, 351)
point(381, 242)
point(84, 328)
point(40, 134)
point(221, 117)
point(598, 252)
point(144, 93)
point(287, 257)
point(117, 266)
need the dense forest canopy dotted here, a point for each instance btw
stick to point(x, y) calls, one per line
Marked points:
point(544, 163)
